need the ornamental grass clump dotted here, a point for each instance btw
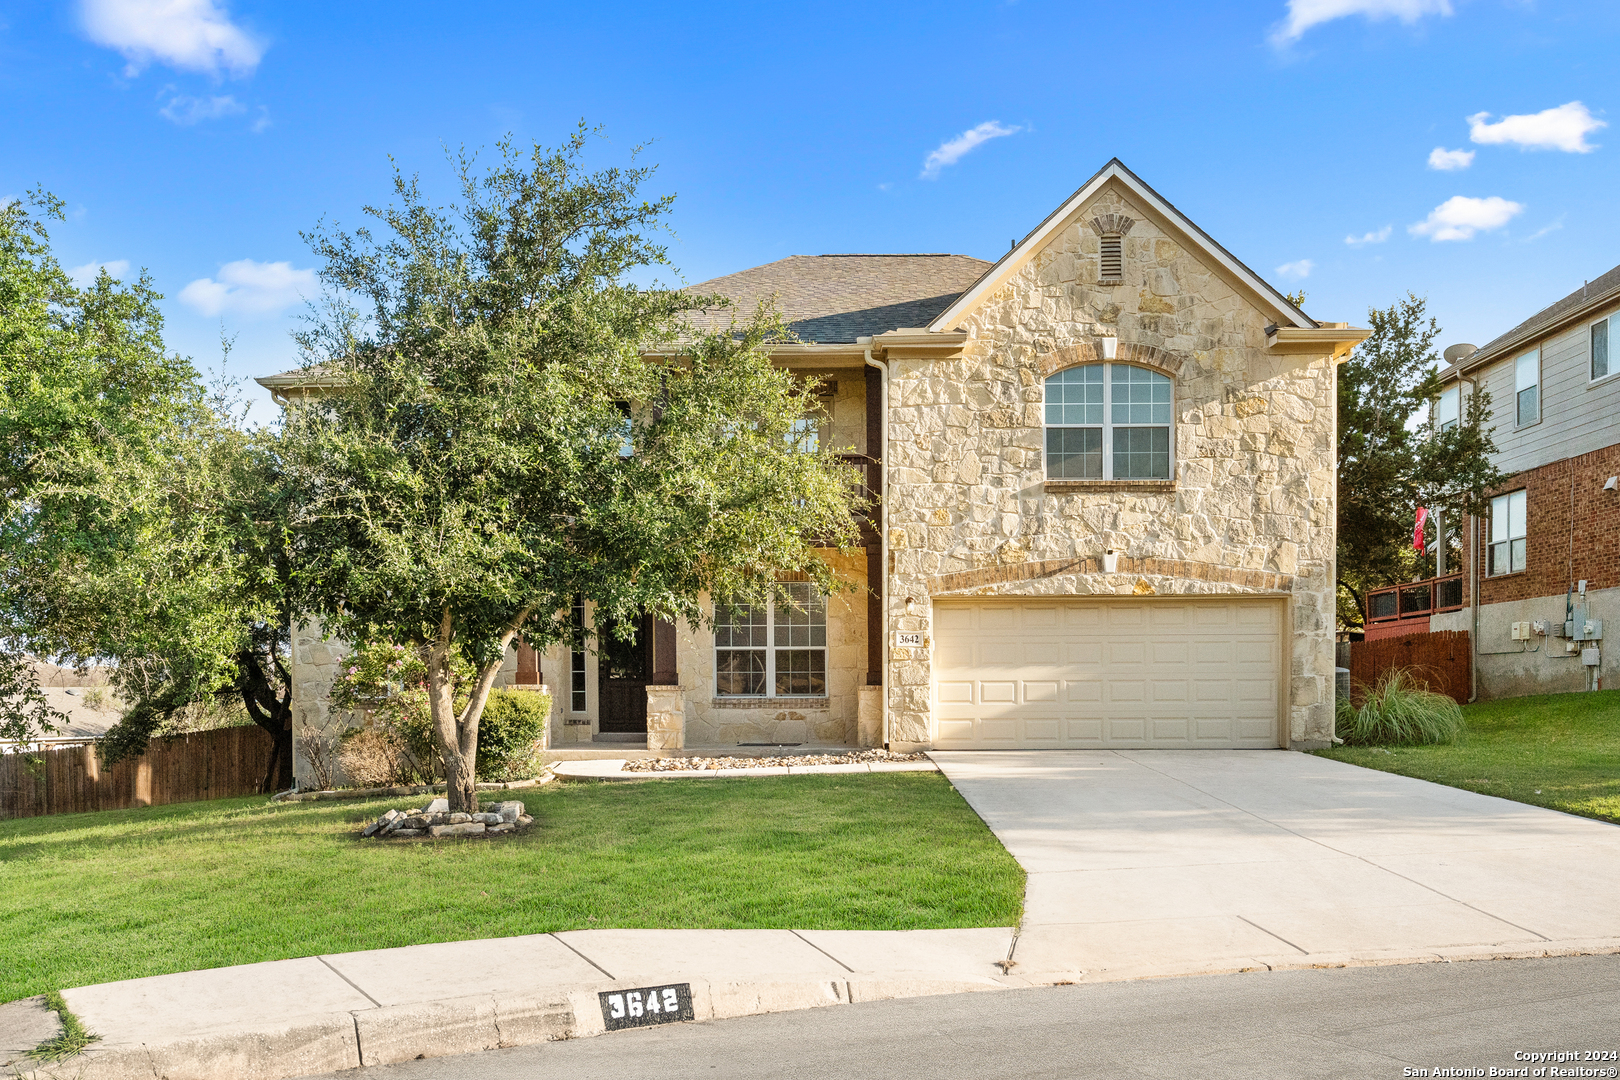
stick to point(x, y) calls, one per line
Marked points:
point(1399, 710)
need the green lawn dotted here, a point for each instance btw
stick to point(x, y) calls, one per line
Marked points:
point(87, 898)
point(1561, 751)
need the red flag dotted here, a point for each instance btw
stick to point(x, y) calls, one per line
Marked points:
point(1417, 533)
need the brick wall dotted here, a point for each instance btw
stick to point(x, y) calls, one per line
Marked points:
point(1573, 529)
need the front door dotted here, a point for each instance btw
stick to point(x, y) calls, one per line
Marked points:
point(622, 668)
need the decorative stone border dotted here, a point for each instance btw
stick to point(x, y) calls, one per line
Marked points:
point(436, 820)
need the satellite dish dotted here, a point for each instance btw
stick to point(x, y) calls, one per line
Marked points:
point(1456, 354)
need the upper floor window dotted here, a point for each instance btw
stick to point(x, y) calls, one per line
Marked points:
point(777, 649)
point(805, 434)
point(1605, 342)
point(1527, 387)
point(1450, 408)
point(1108, 422)
point(1508, 534)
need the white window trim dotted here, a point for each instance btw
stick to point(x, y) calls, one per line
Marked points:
point(1491, 541)
point(1614, 339)
point(1517, 390)
point(770, 647)
point(1108, 427)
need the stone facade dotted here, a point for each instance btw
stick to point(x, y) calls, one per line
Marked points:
point(1250, 507)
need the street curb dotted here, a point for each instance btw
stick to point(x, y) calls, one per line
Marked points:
point(464, 1025)
point(488, 1021)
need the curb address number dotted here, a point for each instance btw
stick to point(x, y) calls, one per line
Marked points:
point(647, 1006)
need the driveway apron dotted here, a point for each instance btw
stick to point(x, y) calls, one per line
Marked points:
point(1147, 862)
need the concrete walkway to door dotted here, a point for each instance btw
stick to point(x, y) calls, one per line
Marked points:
point(1159, 862)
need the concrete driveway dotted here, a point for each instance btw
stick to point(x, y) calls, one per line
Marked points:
point(1180, 861)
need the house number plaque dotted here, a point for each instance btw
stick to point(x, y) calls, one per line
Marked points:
point(908, 639)
point(647, 1006)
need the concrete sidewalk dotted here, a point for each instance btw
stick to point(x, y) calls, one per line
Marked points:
point(324, 1013)
point(1159, 862)
point(613, 769)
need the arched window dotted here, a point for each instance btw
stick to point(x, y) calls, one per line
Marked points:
point(1108, 422)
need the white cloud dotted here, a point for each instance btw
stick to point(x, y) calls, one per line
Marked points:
point(1377, 237)
point(1304, 14)
point(1460, 217)
point(1300, 268)
point(1450, 160)
point(262, 121)
point(186, 111)
point(251, 288)
point(85, 276)
point(193, 35)
point(953, 150)
point(1563, 128)
point(1551, 227)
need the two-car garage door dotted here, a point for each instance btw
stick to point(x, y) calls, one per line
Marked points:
point(1086, 672)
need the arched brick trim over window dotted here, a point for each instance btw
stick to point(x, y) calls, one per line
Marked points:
point(1084, 352)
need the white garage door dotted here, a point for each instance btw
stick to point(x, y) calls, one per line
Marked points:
point(1103, 673)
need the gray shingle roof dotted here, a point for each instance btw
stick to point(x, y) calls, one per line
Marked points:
point(838, 298)
point(1547, 316)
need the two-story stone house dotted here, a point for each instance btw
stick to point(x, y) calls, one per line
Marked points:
point(1548, 552)
point(1106, 472)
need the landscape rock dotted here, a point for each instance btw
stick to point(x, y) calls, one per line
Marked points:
point(438, 806)
point(505, 826)
point(415, 821)
point(460, 828)
point(408, 832)
point(509, 811)
point(525, 820)
point(459, 818)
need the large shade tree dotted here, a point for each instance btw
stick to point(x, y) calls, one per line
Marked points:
point(1393, 458)
point(513, 423)
point(139, 525)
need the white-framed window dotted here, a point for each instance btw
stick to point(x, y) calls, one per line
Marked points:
point(1527, 387)
point(1508, 535)
point(1605, 347)
point(1108, 422)
point(805, 434)
point(1449, 409)
point(773, 650)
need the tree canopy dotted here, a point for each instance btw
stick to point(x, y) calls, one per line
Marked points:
point(138, 523)
point(515, 423)
point(1393, 458)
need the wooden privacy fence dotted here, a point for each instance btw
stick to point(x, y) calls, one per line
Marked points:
point(214, 764)
point(1440, 659)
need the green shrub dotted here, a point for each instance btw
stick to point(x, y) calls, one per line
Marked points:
point(1400, 710)
point(511, 734)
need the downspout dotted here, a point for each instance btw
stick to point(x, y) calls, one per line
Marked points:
point(1473, 571)
point(883, 532)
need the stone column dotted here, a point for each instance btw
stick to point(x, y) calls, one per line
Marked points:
point(666, 717)
point(869, 716)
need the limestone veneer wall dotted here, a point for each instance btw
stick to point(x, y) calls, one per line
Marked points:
point(1251, 508)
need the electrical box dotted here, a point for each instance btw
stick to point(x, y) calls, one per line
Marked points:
point(1584, 629)
point(1520, 631)
point(1591, 657)
point(1541, 628)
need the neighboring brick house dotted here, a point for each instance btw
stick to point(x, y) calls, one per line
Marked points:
point(1554, 384)
point(1106, 464)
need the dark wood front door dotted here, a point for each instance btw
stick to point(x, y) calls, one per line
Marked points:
point(622, 674)
point(625, 668)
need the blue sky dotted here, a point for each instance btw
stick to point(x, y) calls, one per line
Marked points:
point(1468, 147)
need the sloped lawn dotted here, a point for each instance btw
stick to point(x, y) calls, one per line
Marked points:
point(1560, 751)
point(89, 898)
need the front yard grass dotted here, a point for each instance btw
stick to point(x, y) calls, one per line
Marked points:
point(1560, 751)
point(88, 898)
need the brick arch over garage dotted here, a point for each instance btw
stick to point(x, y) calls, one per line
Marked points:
point(1150, 356)
point(1263, 581)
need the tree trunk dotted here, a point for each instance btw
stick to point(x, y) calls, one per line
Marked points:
point(272, 711)
point(457, 735)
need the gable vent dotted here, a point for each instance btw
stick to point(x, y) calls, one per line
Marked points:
point(1112, 229)
point(1113, 257)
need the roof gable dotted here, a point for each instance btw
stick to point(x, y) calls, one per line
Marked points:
point(1167, 217)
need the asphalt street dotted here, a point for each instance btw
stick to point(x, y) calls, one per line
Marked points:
point(1341, 1023)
